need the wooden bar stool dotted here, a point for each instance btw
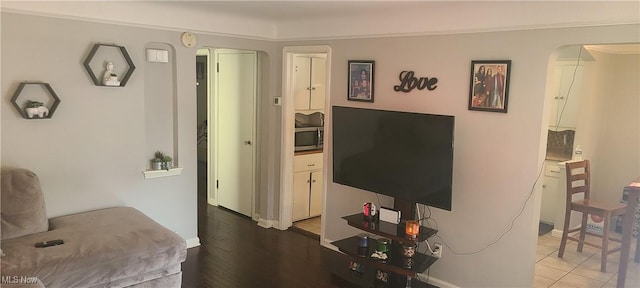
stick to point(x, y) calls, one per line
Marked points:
point(579, 181)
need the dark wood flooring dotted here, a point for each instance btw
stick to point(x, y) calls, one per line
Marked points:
point(236, 252)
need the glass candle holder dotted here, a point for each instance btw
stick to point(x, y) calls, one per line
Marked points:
point(412, 228)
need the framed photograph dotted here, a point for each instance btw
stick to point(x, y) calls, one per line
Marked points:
point(360, 86)
point(489, 88)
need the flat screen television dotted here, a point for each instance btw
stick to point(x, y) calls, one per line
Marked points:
point(404, 155)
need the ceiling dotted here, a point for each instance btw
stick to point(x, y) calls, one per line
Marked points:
point(314, 20)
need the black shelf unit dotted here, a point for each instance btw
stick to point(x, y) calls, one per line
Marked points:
point(394, 265)
point(47, 87)
point(125, 55)
point(421, 261)
point(389, 230)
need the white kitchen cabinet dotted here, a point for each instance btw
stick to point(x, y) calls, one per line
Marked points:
point(309, 83)
point(567, 86)
point(548, 207)
point(307, 186)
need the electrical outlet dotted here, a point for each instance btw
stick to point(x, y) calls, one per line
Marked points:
point(437, 251)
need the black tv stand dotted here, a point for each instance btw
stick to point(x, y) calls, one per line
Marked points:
point(366, 269)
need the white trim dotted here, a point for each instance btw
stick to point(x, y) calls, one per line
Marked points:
point(436, 282)
point(150, 174)
point(193, 242)
point(268, 223)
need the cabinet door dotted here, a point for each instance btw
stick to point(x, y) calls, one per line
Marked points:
point(301, 80)
point(315, 207)
point(566, 96)
point(301, 184)
point(318, 83)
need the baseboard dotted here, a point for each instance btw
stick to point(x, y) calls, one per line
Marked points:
point(556, 233)
point(439, 283)
point(267, 223)
point(193, 242)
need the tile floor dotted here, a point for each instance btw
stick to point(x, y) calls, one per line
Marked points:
point(312, 225)
point(579, 269)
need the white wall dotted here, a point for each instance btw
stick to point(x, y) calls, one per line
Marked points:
point(94, 150)
point(497, 157)
point(609, 126)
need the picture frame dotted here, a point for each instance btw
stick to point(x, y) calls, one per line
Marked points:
point(489, 85)
point(361, 80)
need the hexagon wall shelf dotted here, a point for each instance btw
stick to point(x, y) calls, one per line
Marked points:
point(126, 57)
point(51, 93)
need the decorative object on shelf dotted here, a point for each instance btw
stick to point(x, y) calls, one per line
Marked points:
point(412, 228)
point(489, 87)
point(361, 80)
point(36, 109)
point(382, 248)
point(188, 39)
point(382, 277)
point(369, 210)
point(363, 245)
point(109, 79)
point(161, 161)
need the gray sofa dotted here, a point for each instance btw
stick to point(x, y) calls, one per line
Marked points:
point(113, 247)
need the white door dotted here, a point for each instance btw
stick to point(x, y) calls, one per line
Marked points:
point(236, 94)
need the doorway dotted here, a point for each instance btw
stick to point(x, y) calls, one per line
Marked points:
point(227, 89)
point(303, 188)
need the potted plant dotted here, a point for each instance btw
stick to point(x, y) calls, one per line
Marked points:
point(33, 108)
point(161, 161)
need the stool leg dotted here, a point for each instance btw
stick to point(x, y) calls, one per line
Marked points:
point(583, 231)
point(605, 241)
point(565, 232)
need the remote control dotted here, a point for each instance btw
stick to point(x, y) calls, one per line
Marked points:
point(49, 243)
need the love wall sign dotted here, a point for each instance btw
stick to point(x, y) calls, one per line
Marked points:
point(408, 82)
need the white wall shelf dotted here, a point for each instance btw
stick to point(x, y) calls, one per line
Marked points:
point(149, 174)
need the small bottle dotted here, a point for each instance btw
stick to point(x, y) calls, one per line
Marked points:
point(578, 153)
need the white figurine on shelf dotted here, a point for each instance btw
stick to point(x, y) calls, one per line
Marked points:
point(110, 78)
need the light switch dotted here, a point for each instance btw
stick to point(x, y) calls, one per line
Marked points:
point(155, 55)
point(163, 56)
point(152, 55)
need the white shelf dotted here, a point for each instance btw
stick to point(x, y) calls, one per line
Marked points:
point(148, 174)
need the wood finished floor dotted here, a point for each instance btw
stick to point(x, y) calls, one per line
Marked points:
point(235, 252)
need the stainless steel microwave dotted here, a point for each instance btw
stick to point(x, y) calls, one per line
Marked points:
point(309, 138)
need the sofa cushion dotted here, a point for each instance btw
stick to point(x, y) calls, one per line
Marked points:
point(22, 211)
point(100, 247)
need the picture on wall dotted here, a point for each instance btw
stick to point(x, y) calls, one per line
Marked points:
point(361, 80)
point(489, 88)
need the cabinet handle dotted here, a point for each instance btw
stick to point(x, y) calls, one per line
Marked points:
point(308, 88)
point(311, 165)
point(314, 181)
point(313, 88)
point(308, 181)
point(554, 171)
point(544, 186)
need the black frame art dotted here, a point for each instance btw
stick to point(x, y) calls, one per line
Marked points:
point(489, 85)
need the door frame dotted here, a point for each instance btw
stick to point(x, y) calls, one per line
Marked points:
point(212, 130)
point(287, 130)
